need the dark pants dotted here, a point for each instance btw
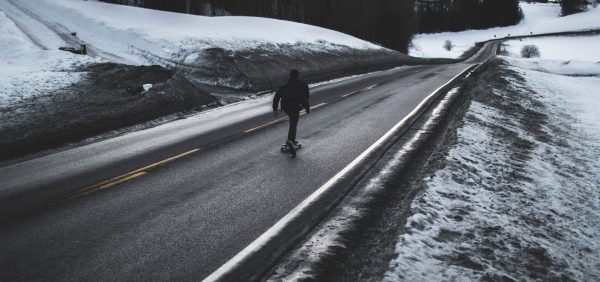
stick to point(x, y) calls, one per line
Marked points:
point(294, 116)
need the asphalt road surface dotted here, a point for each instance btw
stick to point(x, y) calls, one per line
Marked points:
point(179, 200)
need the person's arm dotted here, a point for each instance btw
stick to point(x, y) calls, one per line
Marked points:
point(306, 103)
point(276, 99)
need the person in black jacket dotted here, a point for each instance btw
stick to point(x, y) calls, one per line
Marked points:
point(294, 96)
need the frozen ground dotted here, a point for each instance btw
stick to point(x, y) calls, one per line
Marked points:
point(518, 197)
point(538, 18)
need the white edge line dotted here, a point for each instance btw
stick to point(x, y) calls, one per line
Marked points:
point(278, 227)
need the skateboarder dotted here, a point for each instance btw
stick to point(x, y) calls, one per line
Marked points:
point(294, 97)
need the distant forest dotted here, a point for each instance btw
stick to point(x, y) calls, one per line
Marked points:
point(453, 15)
point(389, 23)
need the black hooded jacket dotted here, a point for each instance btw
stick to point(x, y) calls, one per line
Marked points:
point(293, 96)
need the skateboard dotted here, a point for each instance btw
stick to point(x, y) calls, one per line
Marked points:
point(286, 149)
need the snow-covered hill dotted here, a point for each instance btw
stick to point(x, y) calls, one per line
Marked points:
point(137, 34)
point(538, 18)
point(238, 52)
point(30, 71)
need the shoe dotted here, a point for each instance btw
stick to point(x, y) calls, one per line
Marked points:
point(290, 145)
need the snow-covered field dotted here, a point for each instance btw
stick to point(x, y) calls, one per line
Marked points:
point(518, 197)
point(538, 18)
point(576, 56)
point(579, 48)
point(28, 70)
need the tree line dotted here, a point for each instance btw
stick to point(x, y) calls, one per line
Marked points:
point(457, 15)
point(389, 23)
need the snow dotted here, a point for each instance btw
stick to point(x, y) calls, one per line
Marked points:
point(143, 36)
point(147, 86)
point(538, 18)
point(577, 56)
point(470, 221)
point(581, 48)
point(570, 67)
point(27, 69)
point(518, 197)
point(39, 33)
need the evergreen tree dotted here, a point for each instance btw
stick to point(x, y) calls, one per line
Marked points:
point(457, 15)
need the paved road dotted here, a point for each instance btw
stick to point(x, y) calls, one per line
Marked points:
point(179, 200)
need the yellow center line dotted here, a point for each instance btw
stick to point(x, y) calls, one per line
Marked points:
point(318, 106)
point(303, 112)
point(264, 125)
point(166, 160)
point(359, 91)
point(368, 88)
point(124, 177)
point(107, 185)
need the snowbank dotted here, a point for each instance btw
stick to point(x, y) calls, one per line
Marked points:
point(538, 18)
point(517, 197)
point(238, 52)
